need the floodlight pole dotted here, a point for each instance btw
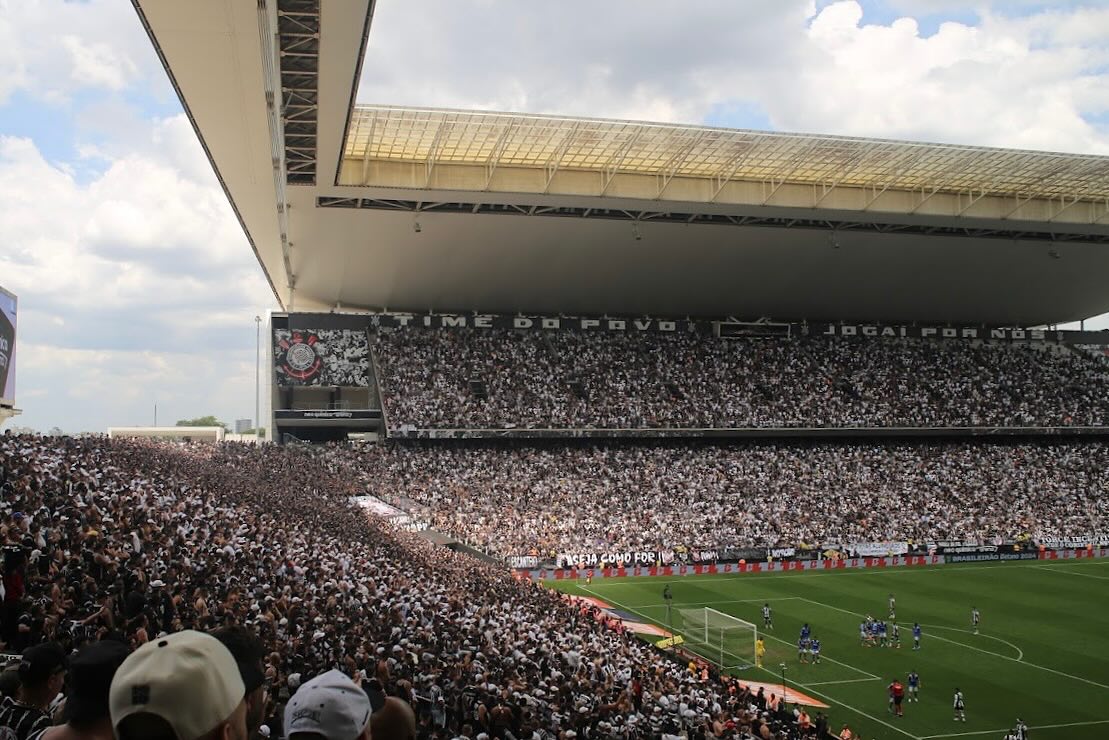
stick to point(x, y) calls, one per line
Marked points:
point(257, 375)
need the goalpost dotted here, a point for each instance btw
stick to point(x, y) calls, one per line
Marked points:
point(725, 641)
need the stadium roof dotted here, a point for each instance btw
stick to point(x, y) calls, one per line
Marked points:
point(438, 137)
point(369, 207)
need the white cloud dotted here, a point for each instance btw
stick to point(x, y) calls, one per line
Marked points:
point(60, 386)
point(135, 279)
point(97, 64)
point(135, 285)
point(1008, 82)
point(12, 62)
point(56, 48)
point(620, 58)
point(114, 244)
point(1030, 81)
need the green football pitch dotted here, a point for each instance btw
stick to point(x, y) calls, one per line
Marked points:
point(1042, 652)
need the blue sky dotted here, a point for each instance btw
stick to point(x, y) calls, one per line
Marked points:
point(137, 286)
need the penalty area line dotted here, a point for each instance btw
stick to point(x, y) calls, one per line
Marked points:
point(850, 680)
point(715, 603)
point(980, 650)
point(1006, 729)
point(1020, 653)
point(633, 610)
point(836, 702)
point(1068, 572)
point(798, 684)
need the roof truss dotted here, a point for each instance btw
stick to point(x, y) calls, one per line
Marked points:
point(497, 140)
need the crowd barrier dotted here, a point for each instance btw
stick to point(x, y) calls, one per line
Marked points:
point(827, 564)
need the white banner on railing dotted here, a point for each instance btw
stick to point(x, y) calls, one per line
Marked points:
point(877, 549)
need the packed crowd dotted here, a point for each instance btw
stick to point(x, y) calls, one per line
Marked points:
point(140, 543)
point(544, 499)
point(689, 380)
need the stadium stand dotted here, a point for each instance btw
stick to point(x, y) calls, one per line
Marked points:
point(544, 499)
point(570, 380)
point(129, 539)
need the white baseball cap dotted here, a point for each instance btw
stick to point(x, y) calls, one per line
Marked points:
point(330, 705)
point(188, 679)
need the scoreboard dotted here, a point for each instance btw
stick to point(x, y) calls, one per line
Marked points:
point(8, 303)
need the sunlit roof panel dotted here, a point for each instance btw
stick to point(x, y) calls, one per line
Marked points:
point(669, 150)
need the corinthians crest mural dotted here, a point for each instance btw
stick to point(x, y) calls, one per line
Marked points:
point(321, 357)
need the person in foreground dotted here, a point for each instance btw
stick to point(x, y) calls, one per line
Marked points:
point(185, 686)
point(41, 675)
point(394, 721)
point(248, 652)
point(328, 707)
point(86, 712)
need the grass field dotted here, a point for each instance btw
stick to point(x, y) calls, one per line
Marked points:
point(1042, 653)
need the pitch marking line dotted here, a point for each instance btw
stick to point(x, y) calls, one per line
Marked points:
point(1066, 572)
point(714, 603)
point(1020, 653)
point(870, 676)
point(890, 570)
point(1006, 729)
point(806, 687)
point(987, 652)
point(852, 680)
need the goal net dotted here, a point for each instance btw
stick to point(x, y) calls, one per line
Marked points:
point(725, 641)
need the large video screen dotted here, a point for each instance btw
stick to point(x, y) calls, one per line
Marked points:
point(339, 357)
point(7, 347)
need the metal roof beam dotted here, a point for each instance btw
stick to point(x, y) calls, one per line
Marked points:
point(495, 154)
point(675, 163)
point(788, 169)
point(555, 161)
point(735, 163)
point(612, 166)
point(855, 161)
point(432, 153)
point(1019, 204)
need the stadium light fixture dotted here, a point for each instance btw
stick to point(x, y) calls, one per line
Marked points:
point(416, 225)
point(635, 231)
point(257, 375)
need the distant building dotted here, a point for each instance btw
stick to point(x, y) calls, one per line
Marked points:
point(243, 425)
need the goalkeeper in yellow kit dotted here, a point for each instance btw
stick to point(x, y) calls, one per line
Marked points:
point(760, 650)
